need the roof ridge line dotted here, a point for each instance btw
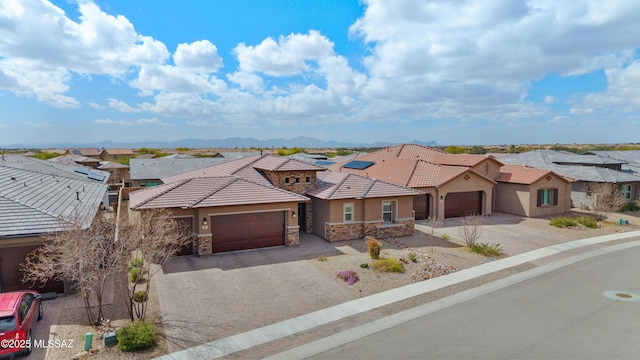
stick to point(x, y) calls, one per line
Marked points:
point(260, 157)
point(201, 199)
point(368, 187)
point(340, 183)
point(170, 187)
point(413, 171)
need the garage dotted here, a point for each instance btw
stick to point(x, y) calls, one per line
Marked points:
point(10, 274)
point(463, 204)
point(247, 231)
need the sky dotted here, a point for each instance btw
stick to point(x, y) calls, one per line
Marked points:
point(464, 72)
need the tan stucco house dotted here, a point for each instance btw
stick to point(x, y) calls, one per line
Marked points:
point(532, 192)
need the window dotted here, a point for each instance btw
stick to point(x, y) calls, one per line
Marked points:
point(547, 197)
point(388, 211)
point(348, 212)
point(297, 180)
point(286, 180)
point(626, 192)
point(308, 179)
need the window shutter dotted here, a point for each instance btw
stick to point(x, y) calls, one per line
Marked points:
point(539, 200)
point(555, 196)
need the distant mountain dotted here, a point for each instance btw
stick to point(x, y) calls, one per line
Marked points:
point(231, 143)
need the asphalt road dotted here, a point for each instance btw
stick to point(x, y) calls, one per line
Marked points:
point(587, 310)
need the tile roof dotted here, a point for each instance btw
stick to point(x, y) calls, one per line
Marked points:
point(521, 174)
point(339, 185)
point(53, 168)
point(631, 157)
point(35, 202)
point(119, 151)
point(111, 165)
point(247, 167)
point(414, 173)
point(202, 192)
point(158, 168)
point(547, 159)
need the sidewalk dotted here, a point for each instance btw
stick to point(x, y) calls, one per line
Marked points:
point(316, 320)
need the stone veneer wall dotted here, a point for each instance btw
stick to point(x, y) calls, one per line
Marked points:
point(204, 245)
point(309, 219)
point(277, 178)
point(293, 236)
point(358, 230)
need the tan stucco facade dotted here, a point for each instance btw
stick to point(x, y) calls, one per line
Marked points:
point(522, 199)
point(488, 167)
point(329, 218)
point(469, 181)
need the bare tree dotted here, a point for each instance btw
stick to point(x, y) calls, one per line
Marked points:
point(433, 222)
point(605, 198)
point(84, 258)
point(471, 229)
point(153, 237)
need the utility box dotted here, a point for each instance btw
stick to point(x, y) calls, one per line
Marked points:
point(88, 341)
point(109, 339)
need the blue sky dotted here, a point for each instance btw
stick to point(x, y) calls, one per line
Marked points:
point(457, 72)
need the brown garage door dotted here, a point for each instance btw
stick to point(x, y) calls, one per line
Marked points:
point(10, 274)
point(247, 231)
point(463, 204)
point(186, 223)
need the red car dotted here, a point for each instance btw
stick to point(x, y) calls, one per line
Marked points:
point(19, 311)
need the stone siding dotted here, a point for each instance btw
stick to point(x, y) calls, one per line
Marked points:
point(293, 235)
point(278, 179)
point(204, 245)
point(358, 230)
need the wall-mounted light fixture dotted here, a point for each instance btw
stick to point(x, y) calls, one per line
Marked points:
point(293, 213)
point(205, 223)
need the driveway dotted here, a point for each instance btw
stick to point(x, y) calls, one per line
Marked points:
point(212, 297)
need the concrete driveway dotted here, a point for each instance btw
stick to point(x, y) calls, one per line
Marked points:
point(212, 297)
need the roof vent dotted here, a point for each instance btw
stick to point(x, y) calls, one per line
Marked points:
point(77, 195)
point(13, 178)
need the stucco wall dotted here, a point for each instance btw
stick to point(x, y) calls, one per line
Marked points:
point(513, 199)
point(469, 181)
point(489, 168)
point(564, 197)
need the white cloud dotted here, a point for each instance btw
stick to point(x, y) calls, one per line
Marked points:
point(95, 105)
point(200, 56)
point(287, 57)
point(549, 99)
point(40, 125)
point(121, 106)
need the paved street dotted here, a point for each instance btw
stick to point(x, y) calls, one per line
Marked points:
point(587, 310)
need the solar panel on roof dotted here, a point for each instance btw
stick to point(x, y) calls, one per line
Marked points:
point(82, 170)
point(358, 164)
point(94, 176)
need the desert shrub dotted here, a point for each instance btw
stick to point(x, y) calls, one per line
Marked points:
point(587, 221)
point(322, 258)
point(487, 249)
point(412, 257)
point(135, 263)
point(364, 265)
point(349, 276)
point(631, 206)
point(373, 247)
point(562, 221)
point(388, 265)
point(139, 335)
point(445, 237)
point(140, 296)
point(135, 274)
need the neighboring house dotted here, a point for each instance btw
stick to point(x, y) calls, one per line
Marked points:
point(39, 197)
point(532, 192)
point(118, 172)
point(73, 159)
point(453, 185)
point(348, 206)
point(116, 154)
point(149, 172)
point(54, 168)
point(587, 170)
point(88, 152)
point(630, 157)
